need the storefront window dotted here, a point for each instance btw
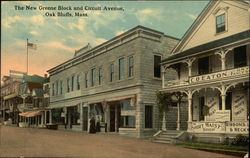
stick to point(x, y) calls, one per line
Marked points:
point(56, 116)
point(125, 105)
point(128, 121)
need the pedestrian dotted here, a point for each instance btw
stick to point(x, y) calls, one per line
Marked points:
point(92, 125)
point(98, 126)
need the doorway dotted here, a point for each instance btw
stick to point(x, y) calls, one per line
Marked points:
point(115, 116)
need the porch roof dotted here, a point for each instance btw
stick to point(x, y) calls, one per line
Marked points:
point(208, 46)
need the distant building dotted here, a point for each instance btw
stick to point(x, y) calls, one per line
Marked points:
point(211, 64)
point(9, 96)
point(114, 82)
point(32, 109)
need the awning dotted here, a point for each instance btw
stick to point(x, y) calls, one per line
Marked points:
point(9, 96)
point(30, 114)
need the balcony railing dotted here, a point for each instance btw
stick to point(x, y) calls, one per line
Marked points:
point(173, 83)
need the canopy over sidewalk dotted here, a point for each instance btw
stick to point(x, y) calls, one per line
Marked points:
point(30, 114)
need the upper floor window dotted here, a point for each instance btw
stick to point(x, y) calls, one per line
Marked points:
point(100, 76)
point(61, 87)
point(203, 65)
point(131, 66)
point(57, 92)
point(93, 76)
point(68, 85)
point(240, 57)
point(112, 72)
point(157, 66)
point(72, 82)
point(220, 23)
point(86, 79)
point(121, 68)
point(78, 82)
point(53, 89)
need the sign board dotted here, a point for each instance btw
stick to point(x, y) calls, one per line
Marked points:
point(212, 102)
point(220, 75)
point(239, 107)
point(222, 115)
point(208, 127)
point(237, 127)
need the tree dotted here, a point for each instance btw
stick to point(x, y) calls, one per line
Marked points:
point(164, 100)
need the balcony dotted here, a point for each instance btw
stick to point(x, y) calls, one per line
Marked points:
point(225, 75)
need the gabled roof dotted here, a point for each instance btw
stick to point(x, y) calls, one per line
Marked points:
point(193, 26)
point(211, 45)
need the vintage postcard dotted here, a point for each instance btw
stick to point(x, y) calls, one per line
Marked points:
point(120, 79)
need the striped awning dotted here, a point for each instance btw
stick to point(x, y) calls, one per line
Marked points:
point(30, 114)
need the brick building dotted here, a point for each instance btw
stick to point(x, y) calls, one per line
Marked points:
point(114, 82)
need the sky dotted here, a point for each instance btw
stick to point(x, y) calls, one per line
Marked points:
point(58, 37)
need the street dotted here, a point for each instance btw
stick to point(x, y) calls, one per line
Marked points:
point(30, 142)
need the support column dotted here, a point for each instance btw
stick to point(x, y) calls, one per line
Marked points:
point(189, 62)
point(45, 119)
point(222, 53)
point(178, 117)
point(50, 117)
point(88, 117)
point(164, 127)
point(108, 117)
point(189, 108)
point(163, 78)
point(116, 118)
point(81, 116)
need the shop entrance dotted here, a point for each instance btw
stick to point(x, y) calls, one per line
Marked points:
point(115, 115)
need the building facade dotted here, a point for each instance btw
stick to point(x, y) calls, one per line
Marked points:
point(113, 83)
point(32, 111)
point(10, 97)
point(210, 71)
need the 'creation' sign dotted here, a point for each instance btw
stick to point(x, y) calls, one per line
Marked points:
point(221, 74)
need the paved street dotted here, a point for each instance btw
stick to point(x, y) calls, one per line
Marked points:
point(49, 143)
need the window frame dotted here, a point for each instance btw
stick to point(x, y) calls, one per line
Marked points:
point(217, 24)
point(100, 75)
point(121, 68)
point(78, 86)
point(111, 72)
point(86, 75)
point(93, 77)
point(156, 66)
point(131, 68)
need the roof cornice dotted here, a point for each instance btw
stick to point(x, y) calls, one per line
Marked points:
point(127, 36)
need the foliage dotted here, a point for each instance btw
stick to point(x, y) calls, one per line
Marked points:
point(210, 146)
point(240, 140)
point(164, 100)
